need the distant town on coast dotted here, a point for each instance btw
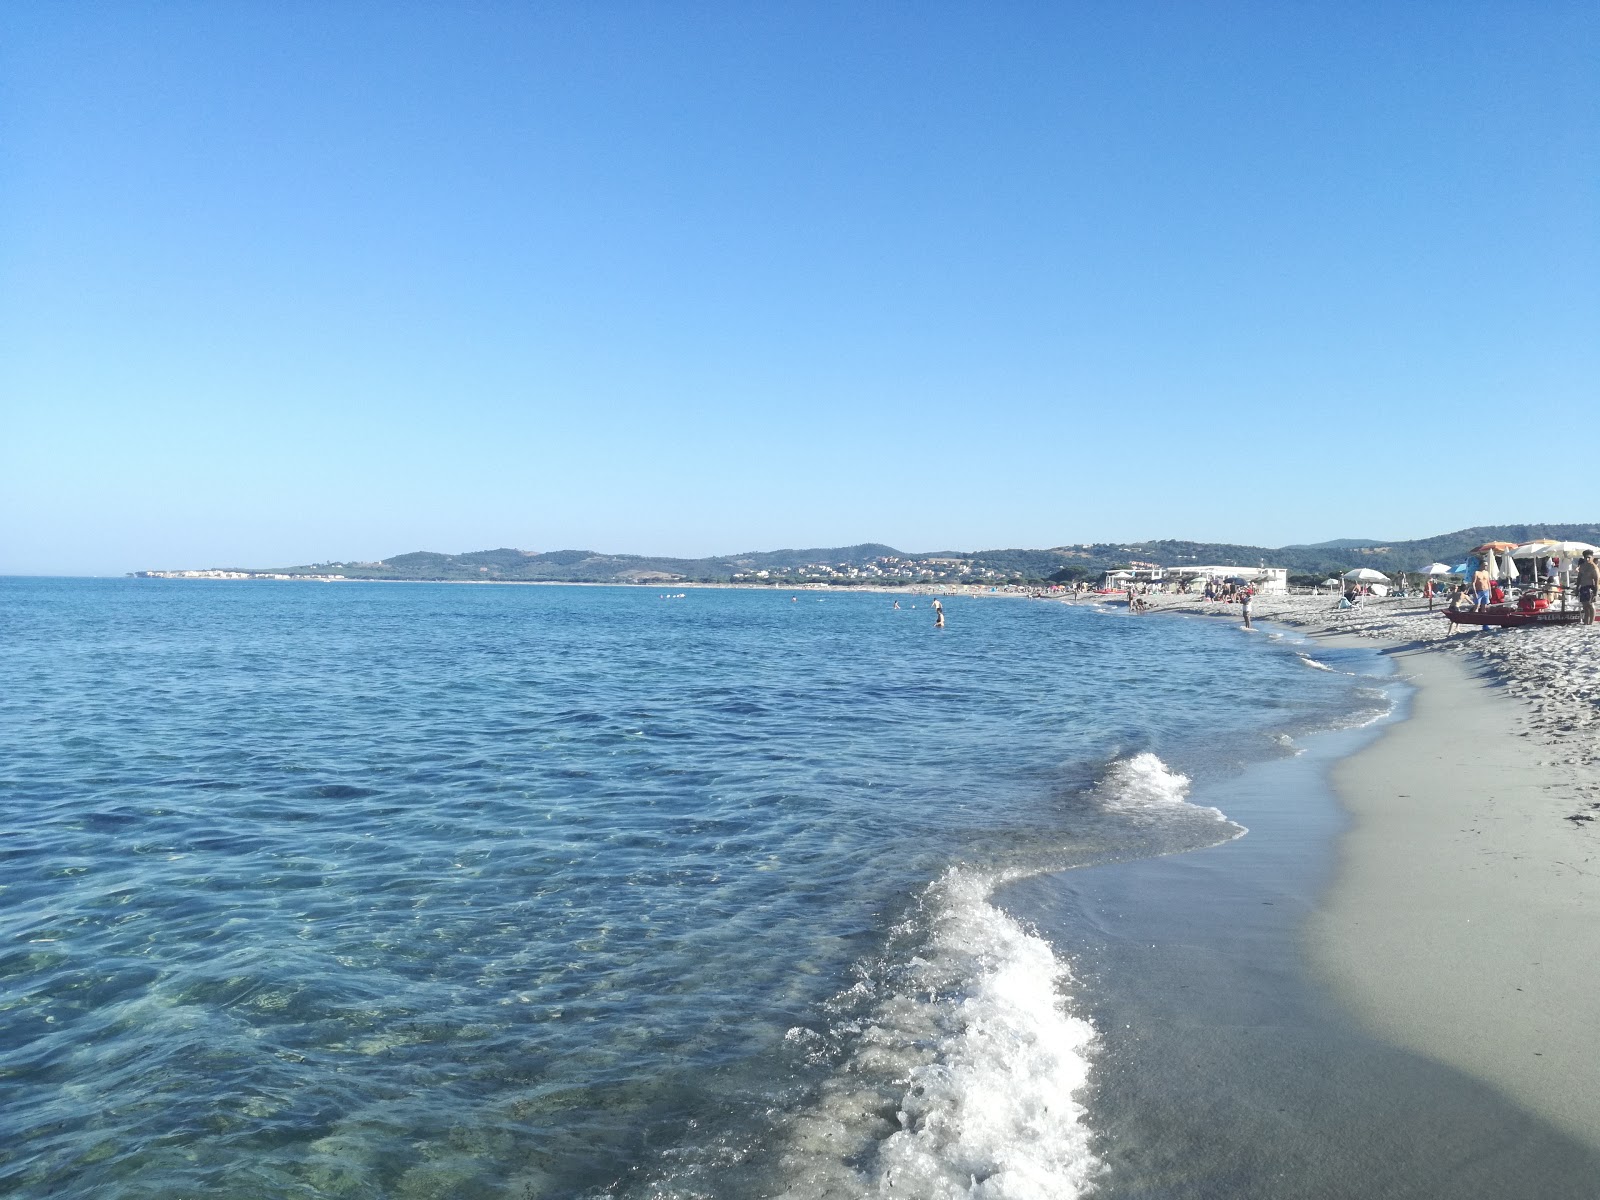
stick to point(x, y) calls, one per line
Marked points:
point(872, 563)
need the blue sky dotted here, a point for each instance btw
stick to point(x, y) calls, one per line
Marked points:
point(284, 282)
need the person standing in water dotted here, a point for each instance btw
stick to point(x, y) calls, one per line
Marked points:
point(938, 615)
point(1245, 601)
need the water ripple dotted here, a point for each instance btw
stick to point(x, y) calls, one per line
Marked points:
point(380, 891)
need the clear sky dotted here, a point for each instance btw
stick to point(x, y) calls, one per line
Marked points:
point(283, 282)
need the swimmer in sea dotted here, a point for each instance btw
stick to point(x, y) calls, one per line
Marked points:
point(938, 615)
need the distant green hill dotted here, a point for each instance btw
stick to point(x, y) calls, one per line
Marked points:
point(1340, 544)
point(873, 562)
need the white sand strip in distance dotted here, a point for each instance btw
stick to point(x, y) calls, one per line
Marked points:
point(1464, 920)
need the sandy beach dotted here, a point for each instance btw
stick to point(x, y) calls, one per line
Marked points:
point(1462, 922)
point(1464, 918)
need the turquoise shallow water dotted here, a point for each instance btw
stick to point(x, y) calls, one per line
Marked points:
point(416, 890)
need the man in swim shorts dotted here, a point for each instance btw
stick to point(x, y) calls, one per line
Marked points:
point(1588, 583)
point(1480, 588)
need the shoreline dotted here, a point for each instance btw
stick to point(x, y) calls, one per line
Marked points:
point(1461, 921)
point(1228, 1062)
point(1463, 917)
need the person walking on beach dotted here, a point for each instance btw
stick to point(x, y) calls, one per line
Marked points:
point(938, 615)
point(1588, 584)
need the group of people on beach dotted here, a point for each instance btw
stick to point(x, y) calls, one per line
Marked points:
point(1225, 590)
point(1484, 591)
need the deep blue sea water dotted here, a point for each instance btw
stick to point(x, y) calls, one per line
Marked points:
point(375, 890)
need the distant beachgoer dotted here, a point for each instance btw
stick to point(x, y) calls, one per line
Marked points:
point(897, 604)
point(1588, 584)
point(1427, 591)
point(1247, 599)
point(938, 615)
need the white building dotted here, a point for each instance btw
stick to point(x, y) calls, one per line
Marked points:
point(1267, 580)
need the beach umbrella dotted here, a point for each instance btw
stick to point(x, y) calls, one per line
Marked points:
point(1539, 548)
point(1436, 569)
point(1551, 548)
point(1333, 583)
point(1459, 569)
point(1490, 563)
point(1366, 575)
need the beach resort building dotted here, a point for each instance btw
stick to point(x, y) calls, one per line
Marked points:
point(1266, 580)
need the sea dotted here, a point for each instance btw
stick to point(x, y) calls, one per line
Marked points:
point(425, 890)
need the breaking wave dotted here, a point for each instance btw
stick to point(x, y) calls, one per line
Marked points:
point(964, 1074)
point(1146, 787)
point(957, 1060)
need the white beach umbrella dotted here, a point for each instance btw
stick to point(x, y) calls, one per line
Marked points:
point(1491, 564)
point(1435, 569)
point(1541, 548)
point(1366, 575)
point(1544, 548)
point(1330, 583)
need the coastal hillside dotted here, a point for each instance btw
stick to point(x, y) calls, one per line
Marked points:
point(872, 562)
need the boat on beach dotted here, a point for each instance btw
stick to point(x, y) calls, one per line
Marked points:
point(1512, 616)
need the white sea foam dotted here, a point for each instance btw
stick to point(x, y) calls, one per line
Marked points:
point(1311, 662)
point(960, 1064)
point(1145, 785)
point(988, 1060)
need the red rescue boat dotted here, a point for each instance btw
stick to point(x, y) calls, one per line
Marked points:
point(1513, 615)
